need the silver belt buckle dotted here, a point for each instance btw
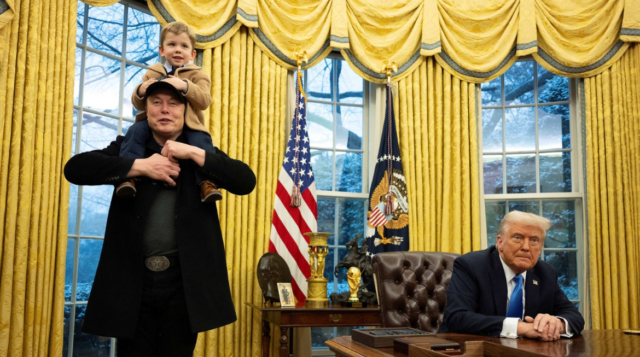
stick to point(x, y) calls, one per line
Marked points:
point(157, 263)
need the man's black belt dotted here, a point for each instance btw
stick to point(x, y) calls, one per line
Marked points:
point(161, 262)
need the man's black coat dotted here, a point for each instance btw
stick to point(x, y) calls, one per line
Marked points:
point(477, 295)
point(116, 295)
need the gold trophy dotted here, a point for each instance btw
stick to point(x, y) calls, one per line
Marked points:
point(318, 250)
point(353, 278)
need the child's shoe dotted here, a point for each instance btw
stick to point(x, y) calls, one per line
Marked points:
point(209, 192)
point(127, 188)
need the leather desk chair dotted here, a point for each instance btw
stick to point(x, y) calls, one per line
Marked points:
point(412, 288)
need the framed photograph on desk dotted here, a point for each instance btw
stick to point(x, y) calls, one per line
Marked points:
point(286, 295)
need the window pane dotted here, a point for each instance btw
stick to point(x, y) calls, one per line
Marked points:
point(326, 217)
point(320, 118)
point(492, 173)
point(521, 174)
point(143, 37)
point(319, 335)
point(491, 93)
point(322, 163)
point(525, 206)
point(76, 81)
point(85, 344)
point(97, 131)
point(132, 77)
point(349, 172)
point(319, 81)
point(88, 257)
point(65, 339)
point(68, 273)
point(567, 268)
point(95, 207)
point(80, 24)
point(350, 85)
point(351, 219)
point(105, 28)
point(554, 128)
point(551, 87)
point(73, 209)
point(101, 83)
point(562, 215)
point(491, 130)
point(520, 129)
point(495, 210)
point(329, 266)
point(75, 131)
point(518, 84)
point(349, 127)
point(555, 172)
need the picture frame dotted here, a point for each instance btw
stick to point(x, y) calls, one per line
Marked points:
point(285, 292)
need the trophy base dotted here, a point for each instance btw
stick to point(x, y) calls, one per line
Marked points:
point(353, 304)
point(316, 303)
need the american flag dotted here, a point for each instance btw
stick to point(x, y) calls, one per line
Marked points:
point(295, 209)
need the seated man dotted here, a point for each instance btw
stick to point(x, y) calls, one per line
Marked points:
point(504, 291)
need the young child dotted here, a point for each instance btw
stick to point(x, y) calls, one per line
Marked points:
point(177, 41)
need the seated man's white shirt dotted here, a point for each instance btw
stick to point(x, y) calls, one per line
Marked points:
point(510, 324)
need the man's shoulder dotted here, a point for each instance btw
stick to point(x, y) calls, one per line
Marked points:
point(478, 255)
point(542, 269)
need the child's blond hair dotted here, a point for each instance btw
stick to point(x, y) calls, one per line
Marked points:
point(177, 28)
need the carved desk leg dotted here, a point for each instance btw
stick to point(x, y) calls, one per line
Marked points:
point(266, 338)
point(284, 342)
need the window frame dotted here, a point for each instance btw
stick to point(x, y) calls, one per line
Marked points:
point(577, 194)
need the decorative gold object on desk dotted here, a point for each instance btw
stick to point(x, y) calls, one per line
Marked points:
point(318, 250)
point(353, 278)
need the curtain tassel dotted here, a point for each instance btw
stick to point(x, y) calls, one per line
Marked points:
point(388, 207)
point(296, 198)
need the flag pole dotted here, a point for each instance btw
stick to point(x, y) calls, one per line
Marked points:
point(296, 197)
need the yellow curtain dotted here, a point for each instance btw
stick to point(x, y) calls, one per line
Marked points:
point(100, 2)
point(36, 91)
point(612, 117)
point(475, 40)
point(213, 21)
point(437, 116)
point(247, 121)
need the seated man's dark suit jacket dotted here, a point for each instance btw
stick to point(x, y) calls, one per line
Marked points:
point(477, 296)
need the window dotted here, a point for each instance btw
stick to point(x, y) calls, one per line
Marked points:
point(336, 108)
point(114, 44)
point(531, 162)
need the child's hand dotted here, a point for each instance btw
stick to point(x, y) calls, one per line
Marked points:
point(175, 151)
point(176, 82)
point(142, 90)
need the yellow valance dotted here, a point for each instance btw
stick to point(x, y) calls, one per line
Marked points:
point(475, 40)
point(6, 15)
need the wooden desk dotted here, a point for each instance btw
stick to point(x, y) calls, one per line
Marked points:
point(301, 316)
point(599, 343)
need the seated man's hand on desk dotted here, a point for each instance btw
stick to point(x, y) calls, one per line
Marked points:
point(544, 327)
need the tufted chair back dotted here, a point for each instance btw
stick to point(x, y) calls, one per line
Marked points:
point(412, 288)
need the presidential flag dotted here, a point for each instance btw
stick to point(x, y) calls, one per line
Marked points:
point(295, 208)
point(388, 224)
